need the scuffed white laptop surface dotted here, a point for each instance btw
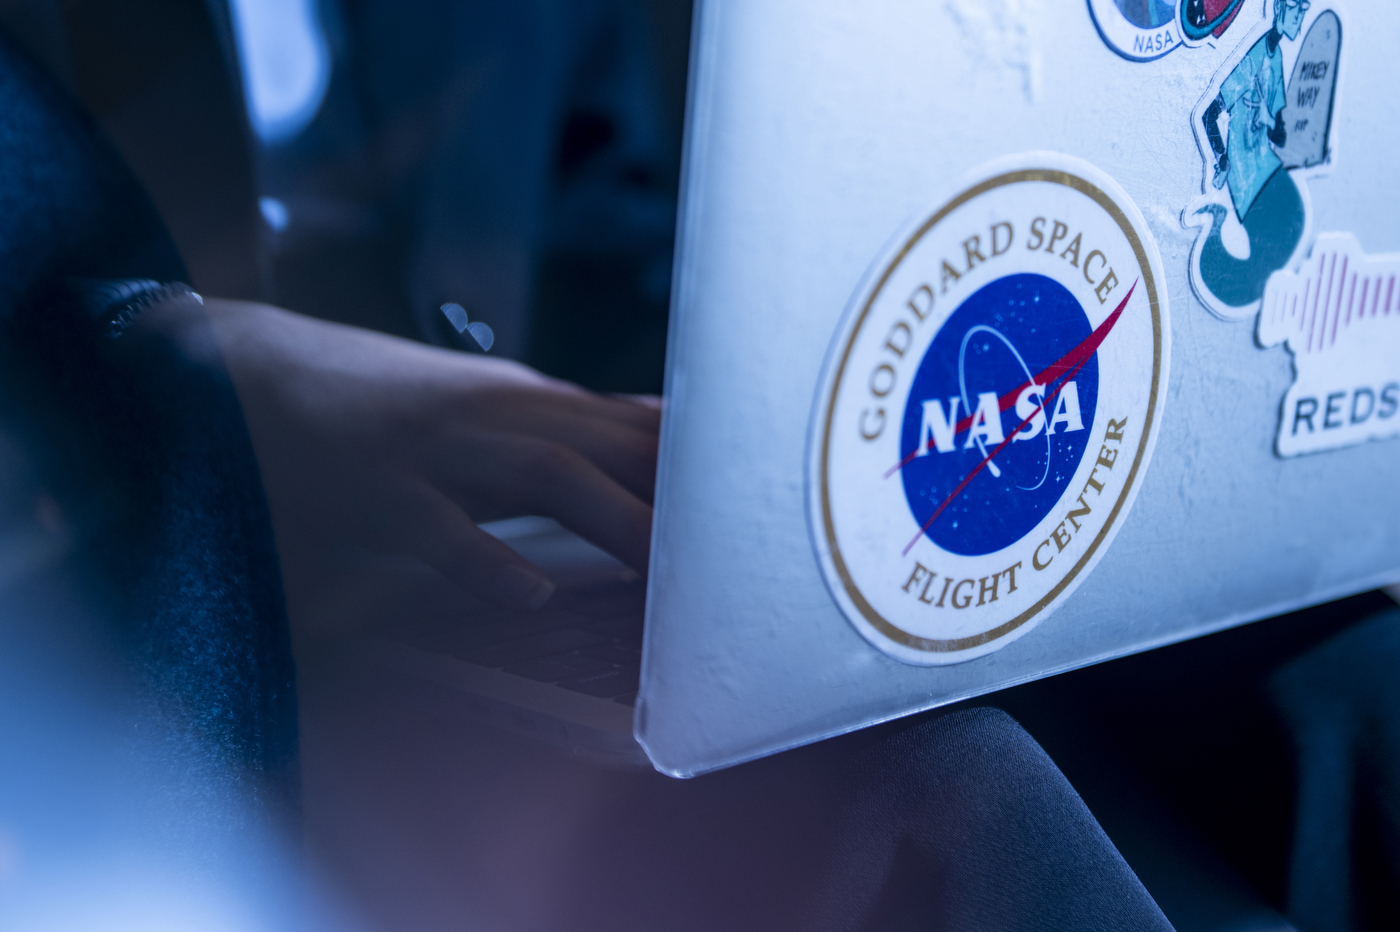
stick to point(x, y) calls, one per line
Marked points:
point(1009, 337)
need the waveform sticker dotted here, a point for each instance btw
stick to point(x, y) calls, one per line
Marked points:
point(1339, 316)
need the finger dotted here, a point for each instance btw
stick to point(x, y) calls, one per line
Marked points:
point(433, 528)
point(478, 378)
point(646, 401)
point(640, 411)
point(583, 498)
point(622, 409)
point(549, 479)
point(626, 454)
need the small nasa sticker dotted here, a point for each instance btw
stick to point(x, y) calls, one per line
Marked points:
point(988, 409)
point(1145, 30)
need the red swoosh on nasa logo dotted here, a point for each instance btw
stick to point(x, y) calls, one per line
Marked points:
point(1076, 357)
point(1070, 360)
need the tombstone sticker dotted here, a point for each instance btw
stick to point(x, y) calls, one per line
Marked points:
point(1308, 113)
point(1263, 129)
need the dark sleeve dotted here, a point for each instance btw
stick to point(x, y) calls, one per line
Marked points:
point(68, 207)
point(146, 452)
point(959, 820)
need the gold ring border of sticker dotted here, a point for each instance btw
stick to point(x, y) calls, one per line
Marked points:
point(883, 625)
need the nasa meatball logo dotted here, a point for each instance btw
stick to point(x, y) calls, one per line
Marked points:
point(988, 410)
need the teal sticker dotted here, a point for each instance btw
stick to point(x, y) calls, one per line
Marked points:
point(1264, 126)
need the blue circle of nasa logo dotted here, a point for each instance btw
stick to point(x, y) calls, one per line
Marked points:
point(995, 342)
point(988, 409)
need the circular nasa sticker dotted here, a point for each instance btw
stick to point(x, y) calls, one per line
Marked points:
point(1139, 30)
point(1145, 30)
point(988, 410)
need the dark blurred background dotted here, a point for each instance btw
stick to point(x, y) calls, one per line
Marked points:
point(519, 159)
point(369, 161)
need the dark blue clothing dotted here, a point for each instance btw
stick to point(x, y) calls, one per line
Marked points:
point(961, 821)
point(146, 452)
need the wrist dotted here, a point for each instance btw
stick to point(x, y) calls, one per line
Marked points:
point(113, 305)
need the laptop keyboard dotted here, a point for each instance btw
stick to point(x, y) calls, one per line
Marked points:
point(588, 640)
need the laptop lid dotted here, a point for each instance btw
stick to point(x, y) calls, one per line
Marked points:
point(1012, 338)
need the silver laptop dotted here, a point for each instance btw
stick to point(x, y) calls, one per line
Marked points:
point(1006, 339)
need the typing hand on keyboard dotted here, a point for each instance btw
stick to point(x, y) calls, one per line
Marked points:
point(368, 439)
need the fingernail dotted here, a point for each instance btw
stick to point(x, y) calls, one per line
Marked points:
point(526, 588)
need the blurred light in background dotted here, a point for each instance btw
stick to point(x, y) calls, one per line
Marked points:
point(286, 64)
point(274, 213)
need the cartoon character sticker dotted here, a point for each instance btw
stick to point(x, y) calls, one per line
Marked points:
point(1144, 30)
point(1261, 137)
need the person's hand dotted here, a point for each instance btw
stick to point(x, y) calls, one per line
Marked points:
point(405, 448)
